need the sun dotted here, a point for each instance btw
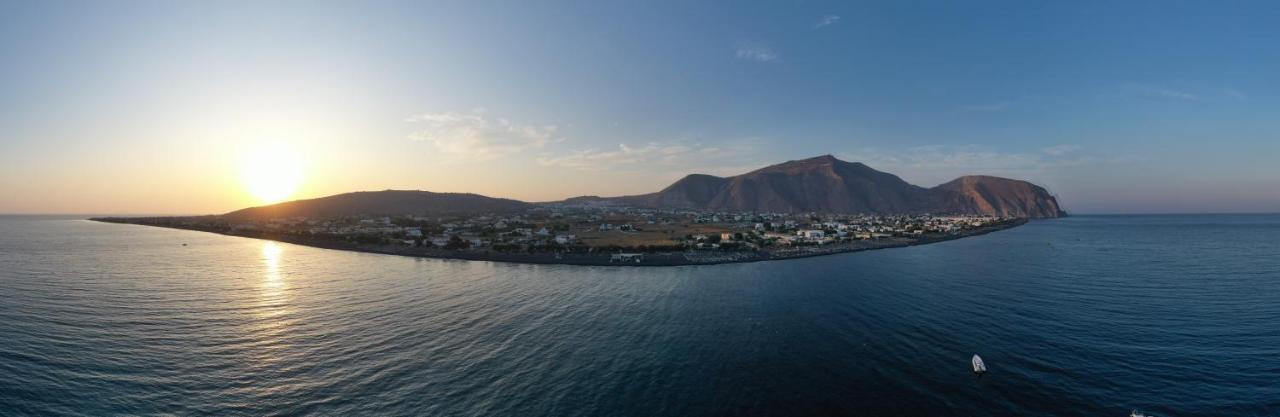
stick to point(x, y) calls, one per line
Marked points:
point(271, 172)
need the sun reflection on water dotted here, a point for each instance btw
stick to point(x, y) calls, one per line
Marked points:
point(272, 307)
point(271, 262)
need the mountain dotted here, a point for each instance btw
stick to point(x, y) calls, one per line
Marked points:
point(999, 196)
point(389, 202)
point(827, 184)
point(692, 191)
point(820, 184)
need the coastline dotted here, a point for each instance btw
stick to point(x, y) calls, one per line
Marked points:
point(682, 258)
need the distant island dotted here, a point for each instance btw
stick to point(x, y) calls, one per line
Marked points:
point(801, 208)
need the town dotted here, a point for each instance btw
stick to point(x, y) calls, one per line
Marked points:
point(603, 234)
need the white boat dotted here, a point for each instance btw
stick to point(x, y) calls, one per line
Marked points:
point(1135, 413)
point(978, 366)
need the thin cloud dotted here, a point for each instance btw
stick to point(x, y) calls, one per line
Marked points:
point(758, 53)
point(1166, 93)
point(681, 158)
point(473, 136)
point(1156, 92)
point(624, 154)
point(1059, 150)
point(825, 21)
point(935, 164)
point(986, 107)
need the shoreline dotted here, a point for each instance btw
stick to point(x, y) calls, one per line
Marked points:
point(653, 259)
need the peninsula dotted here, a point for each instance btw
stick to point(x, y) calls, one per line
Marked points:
point(802, 208)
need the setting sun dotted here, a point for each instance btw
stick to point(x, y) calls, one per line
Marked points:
point(271, 172)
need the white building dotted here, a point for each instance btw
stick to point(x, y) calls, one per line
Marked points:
point(811, 234)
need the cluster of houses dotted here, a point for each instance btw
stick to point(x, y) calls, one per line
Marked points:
point(835, 229)
point(558, 228)
point(445, 232)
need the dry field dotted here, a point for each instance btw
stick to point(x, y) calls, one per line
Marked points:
point(651, 234)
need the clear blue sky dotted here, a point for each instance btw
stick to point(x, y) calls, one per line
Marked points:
point(1114, 106)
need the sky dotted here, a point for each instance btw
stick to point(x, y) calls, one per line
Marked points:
point(150, 107)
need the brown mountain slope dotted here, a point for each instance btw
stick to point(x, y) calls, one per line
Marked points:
point(692, 191)
point(827, 184)
point(999, 197)
point(823, 183)
point(820, 184)
point(389, 202)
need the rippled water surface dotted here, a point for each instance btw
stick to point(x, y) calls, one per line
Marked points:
point(1176, 315)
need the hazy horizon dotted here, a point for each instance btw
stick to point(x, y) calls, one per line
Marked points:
point(206, 108)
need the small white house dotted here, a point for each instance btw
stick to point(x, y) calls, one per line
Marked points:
point(811, 234)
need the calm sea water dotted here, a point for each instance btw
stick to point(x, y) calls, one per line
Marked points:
point(1175, 315)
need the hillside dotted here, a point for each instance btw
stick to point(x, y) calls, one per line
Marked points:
point(998, 196)
point(389, 203)
point(819, 184)
point(827, 184)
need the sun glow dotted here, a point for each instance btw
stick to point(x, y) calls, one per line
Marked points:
point(271, 172)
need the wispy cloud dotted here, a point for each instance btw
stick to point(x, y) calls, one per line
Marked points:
point(758, 53)
point(986, 107)
point(1176, 93)
point(1059, 150)
point(825, 21)
point(1156, 92)
point(1167, 93)
point(624, 154)
point(926, 165)
point(474, 136)
point(672, 157)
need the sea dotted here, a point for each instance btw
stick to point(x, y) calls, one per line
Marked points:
point(1171, 315)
